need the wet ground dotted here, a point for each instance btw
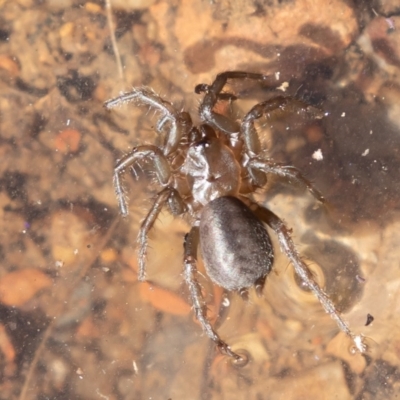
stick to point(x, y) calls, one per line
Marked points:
point(74, 321)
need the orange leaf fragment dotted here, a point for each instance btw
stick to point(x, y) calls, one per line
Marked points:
point(87, 329)
point(6, 345)
point(68, 141)
point(9, 64)
point(163, 300)
point(17, 287)
point(108, 255)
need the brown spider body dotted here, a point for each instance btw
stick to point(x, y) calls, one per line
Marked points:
point(211, 170)
point(208, 172)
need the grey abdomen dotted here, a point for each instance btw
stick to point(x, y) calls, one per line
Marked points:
point(235, 246)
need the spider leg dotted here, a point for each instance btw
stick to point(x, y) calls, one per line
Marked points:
point(176, 206)
point(288, 247)
point(286, 171)
point(266, 109)
point(180, 122)
point(252, 142)
point(213, 94)
point(204, 88)
point(200, 308)
point(160, 163)
point(227, 97)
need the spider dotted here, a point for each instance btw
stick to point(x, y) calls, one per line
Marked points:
point(209, 173)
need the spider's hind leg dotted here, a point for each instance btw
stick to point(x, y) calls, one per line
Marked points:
point(288, 247)
point(190, 261)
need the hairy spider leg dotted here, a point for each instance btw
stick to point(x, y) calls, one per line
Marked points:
point(176, 206)
point(286, 171)
point(253, 147)
point(204, 88)
point(288, 248)
point(191, 244)
point(213, 94)
point(160, 163)
point(267, 109)
point(180, 122)
point(248, 130)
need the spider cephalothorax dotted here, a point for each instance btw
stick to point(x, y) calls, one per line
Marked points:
point(210, 172)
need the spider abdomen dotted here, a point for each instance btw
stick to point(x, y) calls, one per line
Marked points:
point(235, 246)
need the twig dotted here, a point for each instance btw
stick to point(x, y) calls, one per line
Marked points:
point(113, 39)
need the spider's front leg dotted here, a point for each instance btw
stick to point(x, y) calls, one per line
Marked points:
point(267, 109)
point(285, 171)
point(253, 146)
point(200, 308)
point(167, 195)
point(213, 94)
point(288, 247)
point(179, 123)
point(160, 163)
point(176, 205)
